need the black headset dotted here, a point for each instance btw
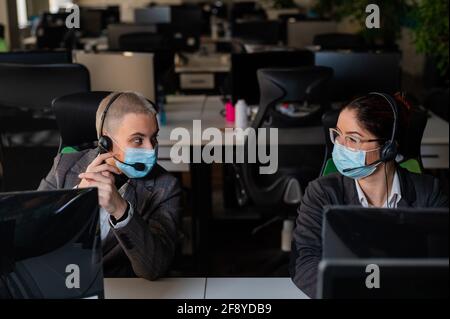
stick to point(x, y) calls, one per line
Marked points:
point(105, 143)
point(389, 150)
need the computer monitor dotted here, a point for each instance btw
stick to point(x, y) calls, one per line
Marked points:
point(36, 57)
point(244, 67)
point(383, 278)
point(300, 34)
point(91, 22)
point(247, 10)
point(152, 15)
point(185, 27)
point(355, 232)
point(94, 20)
point(120, 71)
point(260, 32)
point(115, 31)
point(51, 31)
point(358, 73)
point(50, 245)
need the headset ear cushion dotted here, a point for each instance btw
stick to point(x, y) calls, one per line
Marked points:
point(105, 144)
point(389, 151)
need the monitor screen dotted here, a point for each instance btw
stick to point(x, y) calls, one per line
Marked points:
point(50, 245)
point(358, 73)
point(357, 232)
point(138, 66)
point(91, 22)
point(244, 67)
point(397, 278)
point(152, 15)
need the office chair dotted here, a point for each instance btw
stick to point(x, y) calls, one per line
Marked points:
point(301, 85)
point(412, 159)
point(3, 46)
point(339, 41)
point(75, 116)
point(306, 86)
point(51, 31)
point(26, 94)
point(276, 197)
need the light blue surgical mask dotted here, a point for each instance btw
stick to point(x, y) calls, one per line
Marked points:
point(145, 156)
point(352, 163)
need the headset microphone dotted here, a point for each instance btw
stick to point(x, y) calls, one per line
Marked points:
point(346, 170)
point(137, 166)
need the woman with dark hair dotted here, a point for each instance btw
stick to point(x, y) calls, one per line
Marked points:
point(367, 139)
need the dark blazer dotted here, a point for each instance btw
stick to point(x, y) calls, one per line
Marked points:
point(336, 189)
point(146, 245)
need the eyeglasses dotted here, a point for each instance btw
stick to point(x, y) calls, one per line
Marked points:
point(354, 143)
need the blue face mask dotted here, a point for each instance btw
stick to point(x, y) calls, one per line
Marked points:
point(345, 158)
point(138, 155)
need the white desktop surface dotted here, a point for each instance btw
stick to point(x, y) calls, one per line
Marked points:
point(165, 288)
point(252, 288)
point(202, 288)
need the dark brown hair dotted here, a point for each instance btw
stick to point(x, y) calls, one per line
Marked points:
point(375, 114)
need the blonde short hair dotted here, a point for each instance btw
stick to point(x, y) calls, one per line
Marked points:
point(127, 102)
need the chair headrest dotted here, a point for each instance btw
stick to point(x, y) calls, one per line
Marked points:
point(75, 116)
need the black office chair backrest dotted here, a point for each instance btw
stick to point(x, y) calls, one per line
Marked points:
point(339, 41)
point(75, 116)
point(305, 85)
point(36, 57)
point(35, 86)
point(411, 147)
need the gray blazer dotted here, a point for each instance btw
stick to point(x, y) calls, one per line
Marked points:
point(144, 247)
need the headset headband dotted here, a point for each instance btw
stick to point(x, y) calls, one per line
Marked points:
point(111, 101)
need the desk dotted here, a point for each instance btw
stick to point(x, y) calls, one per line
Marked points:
point(202, 288)
point(166, 288)
point(252, 288)
point(434, 146)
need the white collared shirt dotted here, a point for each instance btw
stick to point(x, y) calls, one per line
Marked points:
point(394, 197)
point(106, 222)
